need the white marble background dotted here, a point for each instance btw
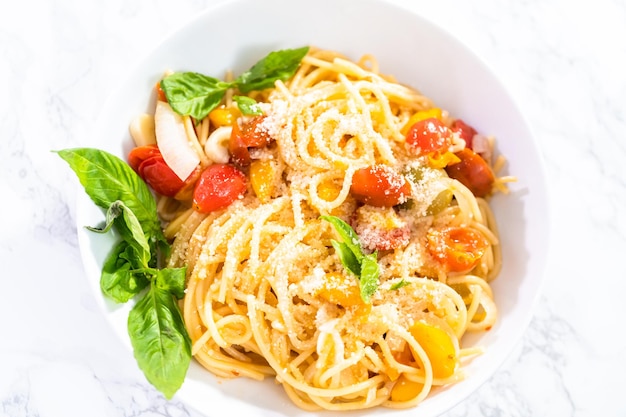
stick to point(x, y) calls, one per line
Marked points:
point(565, 63)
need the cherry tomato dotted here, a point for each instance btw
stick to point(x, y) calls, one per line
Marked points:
point(160, 177)
point(465, 131)
point(340, 290)
point(139, 154)
point(376, 237)
point(457, 249)
point(186, 191)
point(148, 162)
point(429, 135)
point(379, 186)
point(219, 185)
point(473, 172)
point(160, 93)
point(251, 135)
point(438, 346)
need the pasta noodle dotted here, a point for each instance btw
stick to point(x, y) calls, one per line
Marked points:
point(267, 293)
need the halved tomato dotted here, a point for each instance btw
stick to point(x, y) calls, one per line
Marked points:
point(250, 135)
point(456, 248)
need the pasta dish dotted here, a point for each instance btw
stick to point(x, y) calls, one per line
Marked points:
point(335, 228)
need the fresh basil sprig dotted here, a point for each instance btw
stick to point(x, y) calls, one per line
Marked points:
point(277, 65)
point(193, 94)
point(157, 332)
point(350, 252)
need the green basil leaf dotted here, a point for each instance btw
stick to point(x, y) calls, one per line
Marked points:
point(172, 280)
point(160, 341)
point(277, 65)
point(112, 213)
point(399, 284)
point(248, 105)
point(130, 230)
point(348, 235)
point(348, 260)
point(368, 281)
point(117, 281)
point(106, 179)
point(193, 94)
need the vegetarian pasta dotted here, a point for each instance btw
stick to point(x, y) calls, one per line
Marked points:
point(334, 225)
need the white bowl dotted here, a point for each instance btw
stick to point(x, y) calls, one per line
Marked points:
point(237, 34)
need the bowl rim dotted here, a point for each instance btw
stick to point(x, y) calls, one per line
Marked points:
point(86, 242)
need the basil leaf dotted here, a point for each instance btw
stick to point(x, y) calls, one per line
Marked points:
point(399, 284)
point(130, 230)
point(248, 106)
point(172, 280)
point(353, 259)
point(112, 213)
point(160, 342)
point(106, 179)
point(117, 281)
point(277, 65)
point(368, 281)
point(348, 260)
point(348, 235)
point(193, 94)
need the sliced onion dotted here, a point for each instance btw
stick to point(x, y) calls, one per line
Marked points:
point(172, 141)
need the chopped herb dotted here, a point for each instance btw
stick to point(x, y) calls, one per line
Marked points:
point(399, 284)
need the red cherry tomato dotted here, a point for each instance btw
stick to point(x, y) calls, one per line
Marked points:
point(251, 135)
point(379, 186)
point(457, 249)
point(160, 177)
point(473, 172)
point(139, 154)
point(377, 237)
point(465, 131)
point(219, 185)
point(148, 162)
point(428, 135)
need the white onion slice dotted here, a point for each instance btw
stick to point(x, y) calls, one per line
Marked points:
point(172, 141)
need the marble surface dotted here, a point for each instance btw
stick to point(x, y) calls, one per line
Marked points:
point(565, 64)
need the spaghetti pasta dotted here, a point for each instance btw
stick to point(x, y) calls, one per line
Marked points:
point(267, 292)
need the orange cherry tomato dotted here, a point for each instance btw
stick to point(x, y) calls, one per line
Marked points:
point(218, 187)
point(465, 131)
point(429, 135)
point(379, 186)
point(473, 172)
point(457, 249)
point(148, 162)
point(186, 192)
point(251, 135)
point(160, 93)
